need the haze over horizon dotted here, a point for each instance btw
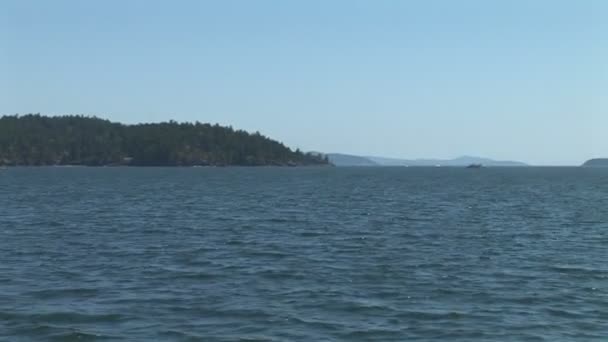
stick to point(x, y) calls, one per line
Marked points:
point(510, 80)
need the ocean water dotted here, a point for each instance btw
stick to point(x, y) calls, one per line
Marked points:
point(303, 254)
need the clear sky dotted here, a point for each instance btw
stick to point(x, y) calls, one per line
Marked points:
point(511, 79)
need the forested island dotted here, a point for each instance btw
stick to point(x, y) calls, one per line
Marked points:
point(597, 162)
point(36, 140)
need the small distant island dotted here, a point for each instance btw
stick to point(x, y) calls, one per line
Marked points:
point(36, 140)
point(596, 162)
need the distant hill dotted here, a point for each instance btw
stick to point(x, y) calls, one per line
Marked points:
point(339, 159)
point(33, 140)
point(460, 161)
point(596, 162)
point(467, 160)
point(352, 160)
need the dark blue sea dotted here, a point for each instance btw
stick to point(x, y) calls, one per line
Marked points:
point(303, 254)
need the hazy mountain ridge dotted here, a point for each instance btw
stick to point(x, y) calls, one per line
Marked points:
point(339, 159)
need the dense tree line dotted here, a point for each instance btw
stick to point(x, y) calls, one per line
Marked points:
point(80, 140)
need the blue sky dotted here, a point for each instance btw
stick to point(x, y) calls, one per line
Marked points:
point(512, 79)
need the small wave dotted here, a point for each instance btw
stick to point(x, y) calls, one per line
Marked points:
point(563, 313)
point(571, 269)
point(79, 336)
point(433, 315)
point(317, 323)
point(180, 335)
point(268, 252)
point(309, 233)
point(71, 317)
point(49, 332)
point(376, 334)
point(60, 293)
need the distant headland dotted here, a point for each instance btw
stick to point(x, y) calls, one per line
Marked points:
point(36, 140)
point(596, 162)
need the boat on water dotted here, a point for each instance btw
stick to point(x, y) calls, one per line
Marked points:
point(474, 166)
